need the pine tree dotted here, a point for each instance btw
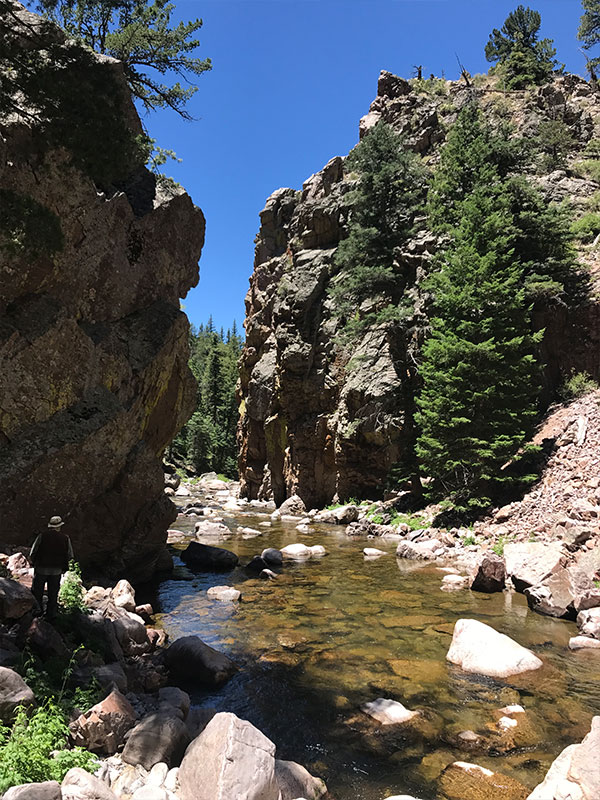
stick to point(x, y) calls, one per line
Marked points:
point(589, 31)
point(523, 58)
point(141, 35)
point(208, 441)
point(389, 194)
point(479, 371)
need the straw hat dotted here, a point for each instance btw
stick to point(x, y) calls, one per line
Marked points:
point(55, 522)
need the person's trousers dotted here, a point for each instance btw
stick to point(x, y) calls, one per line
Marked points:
point(40, 581)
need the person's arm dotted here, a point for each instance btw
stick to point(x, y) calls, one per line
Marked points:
point(34, 549)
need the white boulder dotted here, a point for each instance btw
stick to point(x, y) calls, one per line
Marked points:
point(388, 712)
point(477, 647)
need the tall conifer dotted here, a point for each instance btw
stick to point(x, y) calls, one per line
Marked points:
point(479, 371)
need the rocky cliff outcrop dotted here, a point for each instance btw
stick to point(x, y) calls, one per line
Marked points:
point(94, 381)
point(319, 420)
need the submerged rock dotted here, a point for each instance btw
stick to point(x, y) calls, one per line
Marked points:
point(223, 593)
point(388, 712)
point(463, 781)
point(477, 647)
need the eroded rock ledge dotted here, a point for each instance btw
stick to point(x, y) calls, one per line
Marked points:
point(94, 380)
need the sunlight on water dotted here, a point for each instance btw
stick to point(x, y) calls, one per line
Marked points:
point(332, 633)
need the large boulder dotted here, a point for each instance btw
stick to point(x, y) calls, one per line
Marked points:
point(463, 781)
point(45, 640)
point(158, 738)
point(205, 557)
point(490, 575)
point(343, 515)
point(123, 595)
point(130, 631)
point(190, 659)
point(295, 781)
point(48, 790)
point(588, 622)
point(102, 729)
point(81, 785)
point(575, 774)
point(293, 505)
point(557, 594)
point(211, 529)
point(477, 647)
point(424, 550)
point(15, 599)
point(296, 552)
point(528, 563)
point(229, 759)
point(13, 692)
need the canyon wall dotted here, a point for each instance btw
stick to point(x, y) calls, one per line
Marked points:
point(326, 421)
point(94, 381)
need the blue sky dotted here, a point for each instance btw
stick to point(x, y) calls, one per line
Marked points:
point(290, 81)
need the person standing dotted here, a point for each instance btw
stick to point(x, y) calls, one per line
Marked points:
point(50, 556)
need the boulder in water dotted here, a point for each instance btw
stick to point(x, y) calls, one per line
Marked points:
point(205, 557)
point(477, 647)
point(190, 659)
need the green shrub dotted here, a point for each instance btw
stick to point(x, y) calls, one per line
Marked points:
point(414, 523)
point(35, 748)
point(589, 168)
point(70, 595)
point(373, 516)
point(576, 385)
point(469, 540)
point(498, 547)
point(432, 86)
point(586, 228)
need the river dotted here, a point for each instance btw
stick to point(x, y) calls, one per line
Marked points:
point(334, 632)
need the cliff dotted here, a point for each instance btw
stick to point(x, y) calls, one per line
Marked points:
point(321, 420)
point(94, 381)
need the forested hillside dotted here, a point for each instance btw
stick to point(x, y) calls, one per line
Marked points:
point(207, 443)
point(415, 309)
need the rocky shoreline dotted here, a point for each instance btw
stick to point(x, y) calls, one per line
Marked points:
point(149, 742)
point(152, 744)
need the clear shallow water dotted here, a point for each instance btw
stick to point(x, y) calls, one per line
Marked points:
point(332, 633)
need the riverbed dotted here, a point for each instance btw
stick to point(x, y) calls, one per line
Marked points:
point(332, 633)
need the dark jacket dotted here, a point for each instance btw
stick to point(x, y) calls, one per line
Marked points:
point(52, 552)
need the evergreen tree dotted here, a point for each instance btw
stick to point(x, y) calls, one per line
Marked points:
point(389, 193)
point(208, 441)
point(523, 58)
point(589, 31)
point(479, 371)
point(141, 35)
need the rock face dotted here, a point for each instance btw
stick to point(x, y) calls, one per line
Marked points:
point(318, 420)
point(93, 347)
point(478, 648)
point(231, 758)
point(575, 773)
